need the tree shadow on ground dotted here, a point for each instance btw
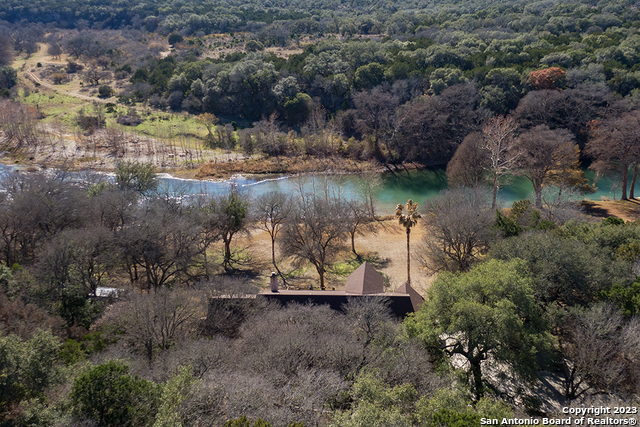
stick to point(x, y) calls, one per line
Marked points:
point(590, 208)
point(375, 260)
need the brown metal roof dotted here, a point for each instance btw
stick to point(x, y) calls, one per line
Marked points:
point(416, 298)
point(365, 280)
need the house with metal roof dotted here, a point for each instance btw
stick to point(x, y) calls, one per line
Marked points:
point(365, 281)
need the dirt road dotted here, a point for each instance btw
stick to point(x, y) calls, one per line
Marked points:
point(34, 78)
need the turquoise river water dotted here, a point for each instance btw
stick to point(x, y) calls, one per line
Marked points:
point(393, 188)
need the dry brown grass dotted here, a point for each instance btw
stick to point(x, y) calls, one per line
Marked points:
point(284, 52)
point(628, 210)
point(386, 249)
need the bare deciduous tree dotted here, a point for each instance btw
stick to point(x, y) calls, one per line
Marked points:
point(6, 53)
point(615, 146)
point(208, 120)
point(545, 154)
point(570, 109)
point(359, 217)
point(272, 210)
point(370, 320)
point(319, 135)
point(115, 139)
point(54, 50)
point(157, 320)
point(25, 320)
point(599, 350)
point(37, 208)
point(500, 143)
point(468, 165)
point(368, 184)
point(20, 126)
point(111, 207)
point(268, 137)
point(315, 231)
point(375, 110)
point(77, 258)
point(461, 221)
point(312, 362)
point(93, 75)
point(430, 128)
point(162, 240)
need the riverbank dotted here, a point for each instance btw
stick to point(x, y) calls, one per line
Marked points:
point(286, 166)
point(73, 153)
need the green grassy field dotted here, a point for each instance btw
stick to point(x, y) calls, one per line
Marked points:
point(54, 105)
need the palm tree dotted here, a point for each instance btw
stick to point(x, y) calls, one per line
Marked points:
point(408, 216)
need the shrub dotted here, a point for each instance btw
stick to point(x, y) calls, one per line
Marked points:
point(110, 396)
point(612, 220)
point(59, 78)
point(243, 421)
point(455, 419)
point(90, 122)
point(132, 118)
point(253, 46)
point(105, 91)
point(74, 67)
point(27, 368)
point(175, 38)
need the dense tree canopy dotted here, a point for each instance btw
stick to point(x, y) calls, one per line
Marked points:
point(491, 89)
point(488, 315)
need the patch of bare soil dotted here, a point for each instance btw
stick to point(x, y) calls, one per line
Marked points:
point(389, 246)
point(284, 52)
point(628, 210)
point(385, 248)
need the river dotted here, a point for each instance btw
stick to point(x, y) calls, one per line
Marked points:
point(391, 188)
point(394, 188)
